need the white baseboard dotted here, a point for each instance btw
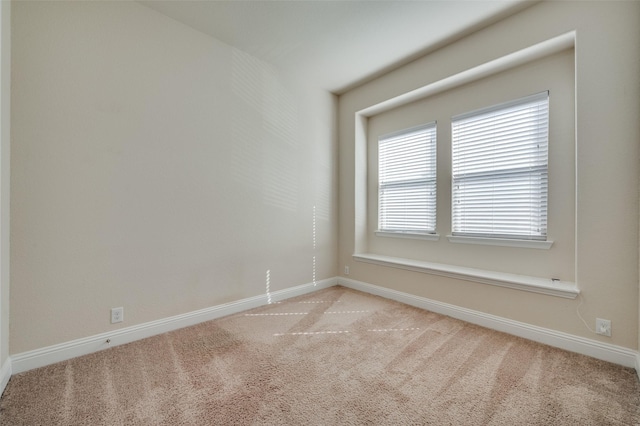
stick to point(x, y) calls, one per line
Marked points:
point(64, 351)
point(5, 374)
point(44, 356)
point(607, 352)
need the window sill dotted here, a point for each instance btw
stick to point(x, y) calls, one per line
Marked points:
point(503, 242)
point(387, 234)
point(565, 289)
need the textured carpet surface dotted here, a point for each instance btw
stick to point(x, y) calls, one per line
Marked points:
point(333, 357)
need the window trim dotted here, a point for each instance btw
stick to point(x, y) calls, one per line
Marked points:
point(502, 242)
point(409, 235)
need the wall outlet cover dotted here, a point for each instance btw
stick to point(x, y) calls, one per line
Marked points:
point(603, 326)
point(117, 315)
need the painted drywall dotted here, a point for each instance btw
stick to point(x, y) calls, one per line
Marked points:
point(158, 169)
point(5, 150)
point(607, 63)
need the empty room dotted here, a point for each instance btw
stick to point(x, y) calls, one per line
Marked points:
point(319, 212)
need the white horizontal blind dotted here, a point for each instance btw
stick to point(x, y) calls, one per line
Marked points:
point(500, 157)
point(407, 180)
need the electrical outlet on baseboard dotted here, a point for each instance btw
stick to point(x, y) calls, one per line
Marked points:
point(117, 315)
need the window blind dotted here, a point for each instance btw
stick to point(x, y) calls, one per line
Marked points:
point(407, 180)
point(499, 170)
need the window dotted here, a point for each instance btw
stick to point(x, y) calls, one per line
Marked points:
point(499, 168)
point(407, 181)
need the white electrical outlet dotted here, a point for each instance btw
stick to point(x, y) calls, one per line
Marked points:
point(603, 327)
point(346, 270)
point(117, 315)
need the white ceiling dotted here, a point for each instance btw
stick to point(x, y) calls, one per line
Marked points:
point(337, 44)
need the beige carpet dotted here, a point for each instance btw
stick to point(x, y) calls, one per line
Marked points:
point(333, 357)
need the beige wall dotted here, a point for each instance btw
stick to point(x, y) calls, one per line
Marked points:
point(160, 170)
point(604, 261)
point(5, 145)
point(157, 169)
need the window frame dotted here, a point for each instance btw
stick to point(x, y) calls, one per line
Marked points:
point(430, 181)
point(528, 164)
